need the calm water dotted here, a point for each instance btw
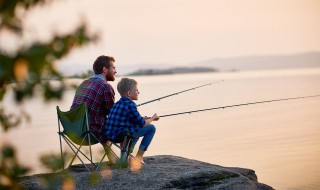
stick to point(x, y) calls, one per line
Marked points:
point(279, 140)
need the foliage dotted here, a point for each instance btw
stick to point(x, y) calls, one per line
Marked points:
point(10, 169)
point(53, 162)
point(33, 65)
point(30, 67)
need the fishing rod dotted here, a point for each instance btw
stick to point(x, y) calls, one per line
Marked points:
point(237, 105)
point(158, 99)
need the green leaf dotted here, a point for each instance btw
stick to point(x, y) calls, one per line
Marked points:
point(7, 152)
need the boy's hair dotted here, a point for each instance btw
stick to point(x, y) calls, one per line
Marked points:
point(126, 84)
point(100, 62)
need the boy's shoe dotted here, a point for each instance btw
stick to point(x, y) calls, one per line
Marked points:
point(135, 164)
point(141, 161)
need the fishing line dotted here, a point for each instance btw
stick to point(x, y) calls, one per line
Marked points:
point(237, 105)
point(158, 99)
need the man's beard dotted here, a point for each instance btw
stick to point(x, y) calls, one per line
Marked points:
point(110, 77)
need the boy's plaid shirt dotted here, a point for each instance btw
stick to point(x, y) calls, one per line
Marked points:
point(123, 115)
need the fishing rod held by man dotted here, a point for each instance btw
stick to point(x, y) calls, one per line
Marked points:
point(237, 105)
point(158, 99)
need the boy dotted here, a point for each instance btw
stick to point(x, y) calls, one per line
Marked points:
point(124, 115)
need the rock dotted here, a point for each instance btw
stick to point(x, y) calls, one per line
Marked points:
point(160, 172)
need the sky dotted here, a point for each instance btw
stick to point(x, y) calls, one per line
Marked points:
point(179, 32)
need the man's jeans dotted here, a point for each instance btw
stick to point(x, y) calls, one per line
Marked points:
point(147, 133)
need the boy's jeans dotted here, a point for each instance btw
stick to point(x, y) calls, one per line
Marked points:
point(147, 133)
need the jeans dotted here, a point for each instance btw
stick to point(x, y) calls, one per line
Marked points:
point(147, 133)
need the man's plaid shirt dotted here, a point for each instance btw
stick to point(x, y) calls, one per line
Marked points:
point(123, 115)
point(99, 96)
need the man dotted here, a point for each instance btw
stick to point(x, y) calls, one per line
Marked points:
point(98, 94)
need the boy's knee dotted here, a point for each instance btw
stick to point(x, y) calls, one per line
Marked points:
point(152, 128)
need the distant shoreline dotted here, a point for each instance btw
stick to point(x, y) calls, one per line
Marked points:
point(232, 64)
point(169, 71)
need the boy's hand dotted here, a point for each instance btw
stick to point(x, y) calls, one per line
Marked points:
point(155, 117)
point(148, 120)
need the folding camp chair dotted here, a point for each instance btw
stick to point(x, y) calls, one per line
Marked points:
point(76, 133)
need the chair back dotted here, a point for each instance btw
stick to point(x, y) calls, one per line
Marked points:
point(75, 125)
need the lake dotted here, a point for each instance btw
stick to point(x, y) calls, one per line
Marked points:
point(279, 140)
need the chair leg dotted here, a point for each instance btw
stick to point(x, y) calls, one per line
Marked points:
point(62, 158)
point(129, 154)
point(106, 149)
point(123, 161)
point(76, 155)
point(90, 148)
point(127, 148)
point(78, 151)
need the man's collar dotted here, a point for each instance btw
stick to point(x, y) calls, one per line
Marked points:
point(99, 76)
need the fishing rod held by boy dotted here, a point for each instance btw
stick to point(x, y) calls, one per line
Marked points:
point(237, 105)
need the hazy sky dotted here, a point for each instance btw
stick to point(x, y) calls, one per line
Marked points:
point(181, 31)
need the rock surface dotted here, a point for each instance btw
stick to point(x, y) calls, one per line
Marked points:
point(160, 172)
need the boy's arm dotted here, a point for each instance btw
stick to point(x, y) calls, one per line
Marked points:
point(134, 116)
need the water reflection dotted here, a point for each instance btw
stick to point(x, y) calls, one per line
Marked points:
point(279, 140)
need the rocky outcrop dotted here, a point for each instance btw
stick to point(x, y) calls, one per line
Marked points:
point(160, 172)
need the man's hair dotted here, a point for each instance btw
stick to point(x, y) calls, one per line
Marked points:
point(100, 62)
point(126, 84)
